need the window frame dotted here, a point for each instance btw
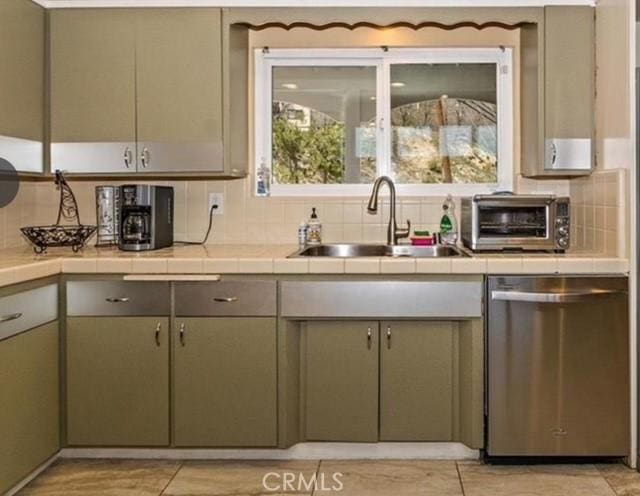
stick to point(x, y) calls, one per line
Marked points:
point(382, 59)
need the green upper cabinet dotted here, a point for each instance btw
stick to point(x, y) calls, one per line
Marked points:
point(558, 80)
point(139, 90)
point(22, 45)
point(179, 90)
point(93, 92)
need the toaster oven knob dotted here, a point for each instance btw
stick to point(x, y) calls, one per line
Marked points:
point(563, 242)
point(563, 231)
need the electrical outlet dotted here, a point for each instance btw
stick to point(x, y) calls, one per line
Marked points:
point(216, 199)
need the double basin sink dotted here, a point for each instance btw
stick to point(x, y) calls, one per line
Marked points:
point(365, 250)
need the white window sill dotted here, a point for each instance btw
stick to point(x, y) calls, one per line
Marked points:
point(364, 190)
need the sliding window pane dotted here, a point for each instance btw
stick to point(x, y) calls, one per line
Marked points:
point(323, 125)
point(444, 123)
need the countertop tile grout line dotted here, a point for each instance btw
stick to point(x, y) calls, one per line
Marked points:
point(460, 479)
point(180, 465)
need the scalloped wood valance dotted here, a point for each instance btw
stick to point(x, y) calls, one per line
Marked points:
point(322, 18)
point(371, 25)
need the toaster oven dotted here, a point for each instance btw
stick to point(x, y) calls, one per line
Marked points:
point(501, 222)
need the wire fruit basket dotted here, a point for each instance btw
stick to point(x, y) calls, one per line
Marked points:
point(75, 236)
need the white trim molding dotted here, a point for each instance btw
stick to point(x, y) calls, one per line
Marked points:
point(41, 468)
point(302, 451)
point(307, 3)
point(265, 61)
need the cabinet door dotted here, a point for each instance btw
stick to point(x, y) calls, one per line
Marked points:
point(29, 388)
point(117, 381)
point(340, 381)
point(569, 87)
point(22, 45)
point(93, 90)
point(416, 381)
point(225, 382)
point(179, 90)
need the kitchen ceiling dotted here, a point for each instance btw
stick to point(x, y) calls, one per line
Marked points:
point(308, 3)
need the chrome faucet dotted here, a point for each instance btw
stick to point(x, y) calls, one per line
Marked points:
point(393, 233)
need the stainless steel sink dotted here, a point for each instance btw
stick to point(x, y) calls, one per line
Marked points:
point(356, 250)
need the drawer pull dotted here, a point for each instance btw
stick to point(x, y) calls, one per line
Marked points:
point(230, 299)
point(388, 337)
point(10, 317)
point(117, 300)
point(182, 334)
point(369, 335)
point(158, 328)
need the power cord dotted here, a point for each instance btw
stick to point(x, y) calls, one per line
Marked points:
point(206, 236)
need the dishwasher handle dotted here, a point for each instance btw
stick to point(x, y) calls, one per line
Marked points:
point(550, 297)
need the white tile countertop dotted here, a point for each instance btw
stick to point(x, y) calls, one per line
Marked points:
point(19, 265)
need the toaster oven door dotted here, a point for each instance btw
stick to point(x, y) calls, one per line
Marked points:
point(520, 225)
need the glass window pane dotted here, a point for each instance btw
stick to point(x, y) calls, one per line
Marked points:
point(444, 120)
point(323, 122)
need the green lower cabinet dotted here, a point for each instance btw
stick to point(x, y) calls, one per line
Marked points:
point(30, 412)
point(117, 381)
point(416, 381)
point(225, 382)
point(340, 381)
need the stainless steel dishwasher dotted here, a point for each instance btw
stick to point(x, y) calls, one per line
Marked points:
point(558, 366)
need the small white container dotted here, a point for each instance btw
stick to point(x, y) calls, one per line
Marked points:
point(302, 234)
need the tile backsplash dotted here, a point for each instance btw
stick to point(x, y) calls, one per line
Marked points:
point(598, 222)
point(599, 214)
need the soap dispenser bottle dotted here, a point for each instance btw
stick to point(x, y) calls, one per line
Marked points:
point(314, 229)
point(448, 224)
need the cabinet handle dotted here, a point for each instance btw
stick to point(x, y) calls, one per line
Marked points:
point(10, 317)
point(128, 157)
point(117, 300)
point(229, 299)
point(182, 334)
point(145, 157)
point(388, 337)
point(554, 154)
point(369, 334)
point(158, 328)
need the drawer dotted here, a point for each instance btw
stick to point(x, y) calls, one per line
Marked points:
point(226, 299)
point(105, 298)
point(23, 311)
point(382, 299)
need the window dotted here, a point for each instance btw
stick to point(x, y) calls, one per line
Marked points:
point(328, 122)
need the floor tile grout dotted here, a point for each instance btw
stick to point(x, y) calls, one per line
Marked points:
point(181, 464)
point(618, 480)
point(317, 475)
point(613, 489)
point(460, 479)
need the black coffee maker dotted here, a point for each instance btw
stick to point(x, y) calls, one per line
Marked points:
point(146, 217)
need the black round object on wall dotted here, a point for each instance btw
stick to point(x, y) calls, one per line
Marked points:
point(9, 182)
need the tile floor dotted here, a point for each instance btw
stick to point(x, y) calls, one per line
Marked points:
point(343, 477)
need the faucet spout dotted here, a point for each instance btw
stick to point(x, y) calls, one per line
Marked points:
point(393, 233)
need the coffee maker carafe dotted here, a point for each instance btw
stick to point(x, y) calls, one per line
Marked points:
point(146, 217)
